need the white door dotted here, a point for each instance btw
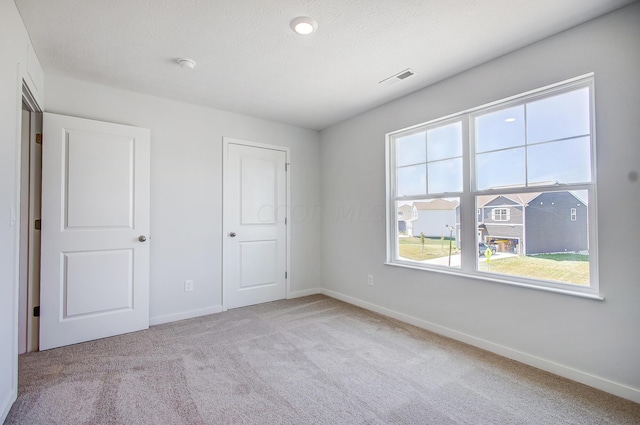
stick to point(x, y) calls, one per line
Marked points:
point(255, 233)
point(95, 222)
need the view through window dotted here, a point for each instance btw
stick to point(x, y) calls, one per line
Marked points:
point(504, 191)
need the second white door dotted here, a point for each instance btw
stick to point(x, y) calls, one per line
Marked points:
point(254, 224)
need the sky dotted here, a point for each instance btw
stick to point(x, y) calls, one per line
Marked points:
point(542, 141)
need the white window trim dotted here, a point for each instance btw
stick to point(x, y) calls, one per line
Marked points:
point(468, 215)
point(507, 214)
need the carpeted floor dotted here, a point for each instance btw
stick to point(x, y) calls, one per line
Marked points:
point(311, 360)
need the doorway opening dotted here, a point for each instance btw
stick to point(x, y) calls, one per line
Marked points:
point(29, 232)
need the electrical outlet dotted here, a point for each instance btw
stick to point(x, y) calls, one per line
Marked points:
point(370, 280)
point(188, 285)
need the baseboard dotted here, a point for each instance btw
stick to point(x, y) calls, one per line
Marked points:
point(304, 293)
point(158, 320)
point(611, 387)
point(6, 404)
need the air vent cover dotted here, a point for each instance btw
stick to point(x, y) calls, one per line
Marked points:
point(397, 77)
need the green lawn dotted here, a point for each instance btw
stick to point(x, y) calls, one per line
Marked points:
point(567, 268)
point(411, 248)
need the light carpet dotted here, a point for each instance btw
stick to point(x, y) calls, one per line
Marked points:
point(312, 360)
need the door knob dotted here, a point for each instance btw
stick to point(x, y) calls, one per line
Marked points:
point(232, 234)
point(142, 238)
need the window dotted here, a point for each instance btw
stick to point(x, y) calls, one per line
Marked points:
point(502, 175)
point(500, 214)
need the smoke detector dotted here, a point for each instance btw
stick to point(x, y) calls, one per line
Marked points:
point(186, 63)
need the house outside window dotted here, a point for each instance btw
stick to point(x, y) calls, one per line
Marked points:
point(501, 174)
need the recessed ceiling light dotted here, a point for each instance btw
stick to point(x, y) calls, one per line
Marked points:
point(186, 63)
point(304, 25)
point(510, 120)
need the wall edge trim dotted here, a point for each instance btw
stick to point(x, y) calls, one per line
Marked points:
point(576, 375)
point(190, 314)
point(305, 293)
point(5, 407)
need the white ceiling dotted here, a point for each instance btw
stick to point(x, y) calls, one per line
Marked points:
point(250, 62)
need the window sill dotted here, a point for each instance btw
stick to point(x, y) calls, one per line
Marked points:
point(504, 281)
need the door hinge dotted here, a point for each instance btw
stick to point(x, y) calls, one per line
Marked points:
point(39, 138)
point(285, 221)
point(286, 166)
point(36, 311)
point(37, 225)
point(285, 275)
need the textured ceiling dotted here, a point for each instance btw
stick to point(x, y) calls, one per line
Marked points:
point(250, 62)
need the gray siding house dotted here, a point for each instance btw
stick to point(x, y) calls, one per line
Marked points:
point(501, 222)
point(556, 222)
point(534, 223)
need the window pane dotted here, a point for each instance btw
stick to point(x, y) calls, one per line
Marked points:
point(411, 149)
point(538, 142)
point(412, 180)
point(500, 129)
point(544, 239)
point(500, 169)
point(500, 214)
point(558, 117)
point(428, 231)
point(568, 161)
point(444, 142)
point(445, 176)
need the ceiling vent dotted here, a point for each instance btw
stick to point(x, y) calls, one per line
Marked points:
point(402, 75)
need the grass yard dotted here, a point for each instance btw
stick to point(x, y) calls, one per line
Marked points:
point(411, 248)
point(567, 268)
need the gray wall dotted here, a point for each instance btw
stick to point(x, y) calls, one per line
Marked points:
point(515, 211)
point(593, 341)
point(13, 53)
point(186, 189)
point(549, 227)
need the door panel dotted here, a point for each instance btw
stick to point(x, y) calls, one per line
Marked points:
point(100, 180)
point(259, 261)
point(109, 287)
point(255, 207)
point(95, 205)
point(258, 190)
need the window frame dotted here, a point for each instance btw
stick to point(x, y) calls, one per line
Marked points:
point(506, 214)
point(468, 197)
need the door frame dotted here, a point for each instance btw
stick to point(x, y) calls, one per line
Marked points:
point(226, 141)
point(33, 243)
point(29, 255)
point(35, 196)
point(22, 94)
